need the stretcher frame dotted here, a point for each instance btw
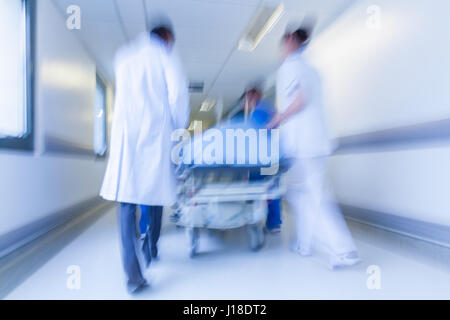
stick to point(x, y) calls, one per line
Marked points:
point(250, 194)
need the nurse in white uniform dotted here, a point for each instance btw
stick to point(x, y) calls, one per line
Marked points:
point(151, 101)
point(304, 138)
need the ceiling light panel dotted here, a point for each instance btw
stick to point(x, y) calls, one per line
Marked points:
point(261, 24)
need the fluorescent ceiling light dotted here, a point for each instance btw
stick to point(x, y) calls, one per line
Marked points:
point(194, 125)
point(207, 105)
point(263, 21)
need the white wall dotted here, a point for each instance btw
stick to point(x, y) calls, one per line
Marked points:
point(34, 185)
point(382, 78)
point(12, 75)
point(411, 183)
point(66, 80)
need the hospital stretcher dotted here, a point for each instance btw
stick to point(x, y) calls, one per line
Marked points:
point(225, 197)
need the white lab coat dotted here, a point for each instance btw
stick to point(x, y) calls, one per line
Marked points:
point(305, 134)
point(151, 101)
point(304, 139)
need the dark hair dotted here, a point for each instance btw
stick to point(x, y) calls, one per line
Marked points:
point(302, 35)
point(163, 33)
point(253, 91)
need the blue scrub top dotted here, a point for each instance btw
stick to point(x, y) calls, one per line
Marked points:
point(262, 114)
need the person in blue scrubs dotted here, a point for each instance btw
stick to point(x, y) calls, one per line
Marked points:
point(150, 228)
point(261, 113)
point(144, 221)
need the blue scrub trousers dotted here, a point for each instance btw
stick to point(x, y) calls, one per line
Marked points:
point(274, 214)
point(273, 208)
point(150, 226)
point(127, 226)
point(262, 115)
point(144, 222)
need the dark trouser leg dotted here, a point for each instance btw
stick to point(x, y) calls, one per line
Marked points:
point(127, 224)
point(149, 247)
point(274, 214)
point(155, 228)
point(144, 222)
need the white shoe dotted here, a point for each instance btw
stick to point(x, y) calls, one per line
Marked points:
point(304, 252)
point(136, 288)
point(276, 230)
point(344, 260)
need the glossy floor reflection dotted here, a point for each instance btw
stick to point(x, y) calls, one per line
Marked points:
point(227, 269)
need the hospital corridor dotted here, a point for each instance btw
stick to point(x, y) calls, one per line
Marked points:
point(234, 150)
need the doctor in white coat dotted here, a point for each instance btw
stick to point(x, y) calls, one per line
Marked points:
point(151, 101)
point(304, 138)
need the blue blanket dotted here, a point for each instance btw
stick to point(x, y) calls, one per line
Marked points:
point(238, 143)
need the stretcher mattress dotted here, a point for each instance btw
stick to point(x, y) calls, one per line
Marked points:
point(234, 144)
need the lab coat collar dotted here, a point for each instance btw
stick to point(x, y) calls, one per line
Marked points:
point(157, 40)
point(145, 38)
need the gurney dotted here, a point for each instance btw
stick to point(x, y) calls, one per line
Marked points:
point(226, 196)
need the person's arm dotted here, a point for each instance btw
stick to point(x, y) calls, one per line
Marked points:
point(295, 107)
point(293, 88)
point(178, 92)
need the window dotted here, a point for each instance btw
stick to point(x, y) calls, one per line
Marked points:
point(15, 77)
point(100, 118)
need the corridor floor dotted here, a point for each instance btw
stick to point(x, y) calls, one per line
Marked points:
point(225, 268)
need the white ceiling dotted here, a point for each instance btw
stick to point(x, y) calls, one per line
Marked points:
point(207, 33)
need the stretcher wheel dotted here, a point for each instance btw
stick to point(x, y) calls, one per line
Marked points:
point(193, 236)
point(175, 217)
point(256, 236)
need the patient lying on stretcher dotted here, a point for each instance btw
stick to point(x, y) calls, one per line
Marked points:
point(242, 142)
point(239, 142)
